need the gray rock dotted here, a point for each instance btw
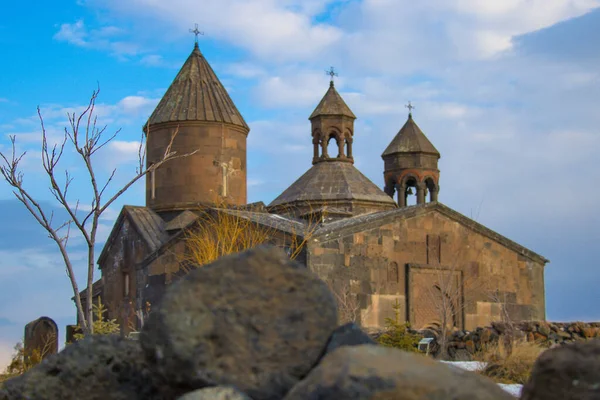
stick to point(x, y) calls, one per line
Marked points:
point(97, 367)
point(348, 334)
point(215, 393)
point(566, 372)
point(254, 320)
point(376, 372)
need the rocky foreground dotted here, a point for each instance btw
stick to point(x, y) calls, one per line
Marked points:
point(258, 326)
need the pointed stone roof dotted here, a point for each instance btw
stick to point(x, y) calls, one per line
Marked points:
point(332, 104)
point(410, 139)
point(332, 181)
point(196, 94)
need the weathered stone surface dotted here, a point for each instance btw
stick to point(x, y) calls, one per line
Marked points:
point(254, 320)
point(98, 367)
point(215, 393)
point(374, 372)
point(348, 334)
point(566, 372)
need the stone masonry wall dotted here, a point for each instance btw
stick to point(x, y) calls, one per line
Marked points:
point(464, 344)
point(400, 261)
point(127, 250)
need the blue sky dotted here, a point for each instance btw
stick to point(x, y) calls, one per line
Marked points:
point(508, 92)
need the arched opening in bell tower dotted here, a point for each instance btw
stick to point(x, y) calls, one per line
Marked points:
point(410, 192)
point(333, 146)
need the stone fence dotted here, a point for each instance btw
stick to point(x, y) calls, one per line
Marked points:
point(462, 345)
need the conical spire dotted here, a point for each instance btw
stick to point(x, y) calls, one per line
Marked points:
point(410, 139)
point(332, 104)
point(196, 94)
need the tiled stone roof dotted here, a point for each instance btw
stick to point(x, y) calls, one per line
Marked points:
point(196, 94)
point(332, 181)
point(410, 139)
point(332, 104)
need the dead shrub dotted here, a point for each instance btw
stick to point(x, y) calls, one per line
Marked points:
point(504, 366)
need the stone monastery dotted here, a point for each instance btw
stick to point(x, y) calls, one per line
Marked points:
point(426, 262)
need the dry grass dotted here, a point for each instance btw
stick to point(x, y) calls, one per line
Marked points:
point(221, 233)
point(505, 368)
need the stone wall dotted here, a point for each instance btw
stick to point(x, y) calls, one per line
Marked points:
point(462, 344)
point(401, 258)
point(184, 182)
point(119, 275)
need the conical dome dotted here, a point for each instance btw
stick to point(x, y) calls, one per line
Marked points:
point(332, 104)
point(410, 139)
point(196, 94)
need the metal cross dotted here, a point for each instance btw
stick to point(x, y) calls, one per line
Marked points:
point(196, 32)
point(331, 73)
point(410, 108)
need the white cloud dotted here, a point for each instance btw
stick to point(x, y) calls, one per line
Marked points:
point(245, 70)
point(275, 30)
point(103, 38)
point(292, 89)
point(6, 352)
point(135, 105)
point(72, 33)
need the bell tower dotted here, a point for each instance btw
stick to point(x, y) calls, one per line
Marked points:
point(411, 165)
point(206, 120)
point(332, 119)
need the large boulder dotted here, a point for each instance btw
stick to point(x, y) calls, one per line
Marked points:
point(97, 367)
point(567, 372)
point(348, 334)
point(377, 373)
point(254, 320)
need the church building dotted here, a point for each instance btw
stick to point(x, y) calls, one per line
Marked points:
point(425, 263)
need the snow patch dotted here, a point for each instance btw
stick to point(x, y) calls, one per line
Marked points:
point(513, 389)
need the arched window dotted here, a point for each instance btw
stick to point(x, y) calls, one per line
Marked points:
point(393, 272)
point(126, 284)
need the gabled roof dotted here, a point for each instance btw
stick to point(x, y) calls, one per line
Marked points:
point(410, 139)
point(182, 220)
point(333, 180)
point(332, 104)
point(96, 290)
point(279, 222)
point(196, 94)
point(364, 222)
point(149, 225)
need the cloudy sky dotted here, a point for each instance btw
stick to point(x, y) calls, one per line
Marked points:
point(508, 91)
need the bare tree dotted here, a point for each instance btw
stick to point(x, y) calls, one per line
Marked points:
point(86, 138)
point(508, 335)
point(348, 305)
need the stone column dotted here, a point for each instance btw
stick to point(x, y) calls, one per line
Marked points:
point(420, 193)
point(434, 194)
point(389, 190)
point(349, 148)
point(340, 144)
point(324, 153)
point(401, 195)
